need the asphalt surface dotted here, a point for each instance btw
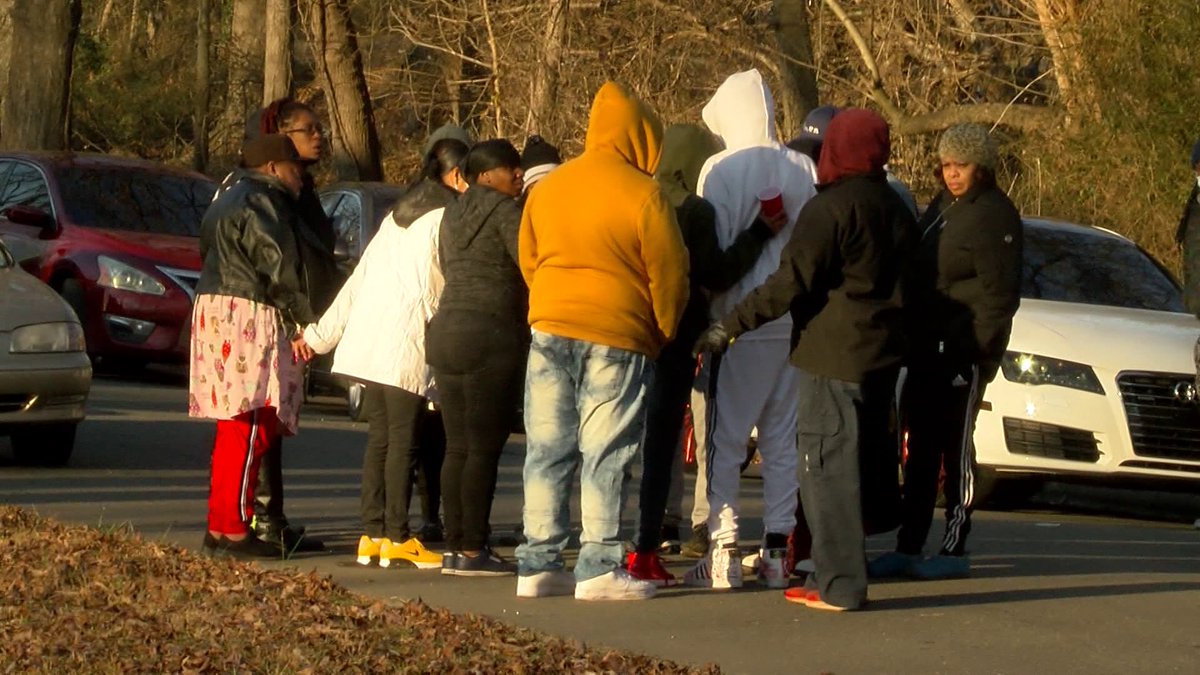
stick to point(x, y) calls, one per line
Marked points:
point(1074, 585)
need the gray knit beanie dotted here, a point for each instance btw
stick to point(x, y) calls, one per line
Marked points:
point(969, 143)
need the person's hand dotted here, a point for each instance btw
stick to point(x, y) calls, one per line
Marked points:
point(300, 350)
point(715, 339)
point(776, 222)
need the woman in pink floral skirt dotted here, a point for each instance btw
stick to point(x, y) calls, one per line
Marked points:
point(250, 302)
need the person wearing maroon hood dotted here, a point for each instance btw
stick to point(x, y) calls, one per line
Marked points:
point(839, 277)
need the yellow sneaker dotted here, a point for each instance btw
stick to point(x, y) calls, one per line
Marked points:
point(411, 551)
point(369, 548)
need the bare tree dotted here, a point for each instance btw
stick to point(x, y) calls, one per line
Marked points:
point(244, 56)
point(799, 91)
point(36, 58)
point(1059, 20)
point(203, 77)
point(277, 65)
point(545, 82)
point(340, 70)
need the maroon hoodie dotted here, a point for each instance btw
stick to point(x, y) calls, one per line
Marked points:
point(857, 143)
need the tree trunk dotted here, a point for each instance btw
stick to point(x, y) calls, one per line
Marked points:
point(35, 68)
point(203, 75)
point(340, 70)
point(798, 94)
point(277, 65)
point(1059, 20)
point(545, 82)
point(246, 49)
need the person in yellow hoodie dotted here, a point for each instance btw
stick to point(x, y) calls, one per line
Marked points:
point(608, 281)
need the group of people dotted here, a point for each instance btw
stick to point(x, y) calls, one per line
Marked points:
point(799, 274)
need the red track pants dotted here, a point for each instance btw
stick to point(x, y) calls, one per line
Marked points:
point(237, 452)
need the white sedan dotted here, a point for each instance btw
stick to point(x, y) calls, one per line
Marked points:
point(1099, 378)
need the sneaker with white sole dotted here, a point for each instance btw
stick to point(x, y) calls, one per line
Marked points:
point(368, 549)
point(545, 584)
point(721, 569)
point(411, 552)
point(615, 585)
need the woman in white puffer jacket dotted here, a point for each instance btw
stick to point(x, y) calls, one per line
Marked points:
point(377, 323)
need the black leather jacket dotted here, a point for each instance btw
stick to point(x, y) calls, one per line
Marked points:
point(248, 243)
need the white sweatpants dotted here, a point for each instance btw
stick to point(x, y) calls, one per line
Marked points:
point(756, 387)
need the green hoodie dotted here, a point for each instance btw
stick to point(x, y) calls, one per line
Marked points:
point(684, 150)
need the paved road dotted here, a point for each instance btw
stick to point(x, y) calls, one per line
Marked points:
point(1052, 591)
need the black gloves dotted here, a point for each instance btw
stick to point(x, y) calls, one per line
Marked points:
point(715, 339)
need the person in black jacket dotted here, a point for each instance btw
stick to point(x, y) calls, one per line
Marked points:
point(711, 270)
point(477, 344)
point(251, 300)
point(1187, 236)
point(315, 240)
point(964, 287)
point(840, 278)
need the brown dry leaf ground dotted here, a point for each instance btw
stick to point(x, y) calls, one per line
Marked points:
point(77, 599)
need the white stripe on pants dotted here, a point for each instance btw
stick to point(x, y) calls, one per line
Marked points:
point(756, 387)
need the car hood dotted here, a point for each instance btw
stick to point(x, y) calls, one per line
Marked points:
point(161, 249)
point(25, 300)
point(1110, 338)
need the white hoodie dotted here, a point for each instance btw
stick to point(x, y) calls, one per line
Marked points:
point(377, 322)
point(742, 114)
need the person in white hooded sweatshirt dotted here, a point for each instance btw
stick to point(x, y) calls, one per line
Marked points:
point(752, 385)
point(377, 323)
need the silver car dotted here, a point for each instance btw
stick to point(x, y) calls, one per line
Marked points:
point(45, 373)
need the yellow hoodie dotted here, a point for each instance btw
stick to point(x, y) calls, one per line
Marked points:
point(599, 247)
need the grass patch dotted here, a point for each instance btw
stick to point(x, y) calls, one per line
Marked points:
point(78, 599)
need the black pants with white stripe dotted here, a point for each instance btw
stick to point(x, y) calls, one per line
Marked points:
point(940, 404)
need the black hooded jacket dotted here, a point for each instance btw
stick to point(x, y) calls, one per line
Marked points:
point(478, 251)
point(248, 244)
point(964, 284)
point(840, 278)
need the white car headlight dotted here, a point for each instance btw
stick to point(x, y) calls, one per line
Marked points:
point(126, 277)
point(43, 338)
point(1036, 370)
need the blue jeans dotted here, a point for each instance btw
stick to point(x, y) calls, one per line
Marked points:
point(584, 403)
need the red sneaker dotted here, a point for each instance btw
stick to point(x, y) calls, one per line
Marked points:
point(811, 599)
point(649, 567)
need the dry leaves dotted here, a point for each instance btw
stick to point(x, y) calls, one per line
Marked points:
point(78, 599)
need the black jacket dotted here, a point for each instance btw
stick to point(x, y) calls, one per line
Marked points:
point(248, 243)
point(478, 252)
point(424, 196)
point(840, 277)
point(965, 279)
point(316, 241)
point(1188, 236)
point(711, 270)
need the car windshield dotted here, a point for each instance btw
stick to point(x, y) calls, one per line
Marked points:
point(1086, 268)
point(123, 198)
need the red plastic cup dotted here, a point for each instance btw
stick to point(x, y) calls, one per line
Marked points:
point(771, 201)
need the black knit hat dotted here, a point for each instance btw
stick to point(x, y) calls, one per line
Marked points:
point(537, 152)
point(259, 151)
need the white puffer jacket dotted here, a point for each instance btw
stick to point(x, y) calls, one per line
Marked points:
point(377, 322)
point(742, 114)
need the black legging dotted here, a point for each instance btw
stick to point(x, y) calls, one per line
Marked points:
point(666, 403)
point(394, 419)
point(479, 363)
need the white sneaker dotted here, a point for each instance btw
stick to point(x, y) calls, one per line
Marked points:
point(771, 567)
point(546, 584)
point(616, 585)
point(721, 569)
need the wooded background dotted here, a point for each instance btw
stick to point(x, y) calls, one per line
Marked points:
point(1093, 102)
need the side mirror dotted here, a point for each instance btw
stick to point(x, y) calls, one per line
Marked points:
point(32, 216)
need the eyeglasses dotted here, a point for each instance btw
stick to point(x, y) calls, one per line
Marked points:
point(314, 130)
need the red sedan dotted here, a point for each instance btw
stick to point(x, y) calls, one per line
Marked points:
point(117, 238)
